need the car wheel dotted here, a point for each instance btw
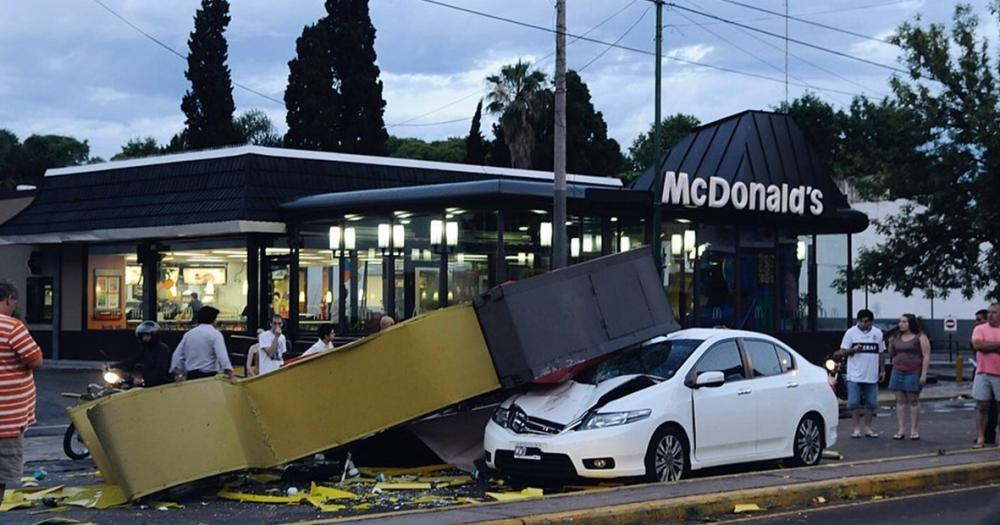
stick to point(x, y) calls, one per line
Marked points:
point(667, 456)
point(808, 449)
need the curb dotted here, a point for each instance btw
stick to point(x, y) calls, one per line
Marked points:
point(685, 508)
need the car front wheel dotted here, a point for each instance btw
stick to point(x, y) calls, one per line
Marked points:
point(667, 456)
point(808, 441)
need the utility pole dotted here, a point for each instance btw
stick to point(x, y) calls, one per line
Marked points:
point(657, 160)
point(559, 158)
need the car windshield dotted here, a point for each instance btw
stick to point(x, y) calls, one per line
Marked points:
point(660, 359)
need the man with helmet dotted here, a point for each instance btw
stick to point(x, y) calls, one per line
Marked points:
point(151, 365)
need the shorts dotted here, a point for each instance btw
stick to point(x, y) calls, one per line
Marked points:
point(905, 381)
point(856, 392)
point(11, 460)
point(986, 387)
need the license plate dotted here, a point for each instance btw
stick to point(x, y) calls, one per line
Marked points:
point(521, 452)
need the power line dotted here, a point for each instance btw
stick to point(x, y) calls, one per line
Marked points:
point(627, 31)
point(463, 119)
point(786, 16)
point(754, 56)
point(179, 55)
point(539, 61)
point(619, 46)
point(704, 25)
point(812, 13)
point(793, 40)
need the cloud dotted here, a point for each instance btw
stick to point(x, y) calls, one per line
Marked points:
point(693, 53)
point(877, 51)
point(106, 95)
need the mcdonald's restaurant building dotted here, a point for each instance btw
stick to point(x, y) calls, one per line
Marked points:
point(755, 235)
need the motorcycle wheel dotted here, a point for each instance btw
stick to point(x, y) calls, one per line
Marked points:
point(73, 444)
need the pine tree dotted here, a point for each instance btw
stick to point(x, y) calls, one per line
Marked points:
point(475, 143)
point(209, 106)
point(353, 53)
point(313, 104)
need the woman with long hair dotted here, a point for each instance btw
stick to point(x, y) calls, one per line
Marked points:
point(910, 350)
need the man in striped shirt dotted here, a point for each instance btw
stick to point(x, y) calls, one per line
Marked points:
point(19, 355)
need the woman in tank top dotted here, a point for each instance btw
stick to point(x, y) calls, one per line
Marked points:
point(910, 351)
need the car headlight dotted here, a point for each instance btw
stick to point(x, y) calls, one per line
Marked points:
point(501, 416)
point(613, 419)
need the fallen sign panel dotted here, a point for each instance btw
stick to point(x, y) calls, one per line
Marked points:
point(148, 440)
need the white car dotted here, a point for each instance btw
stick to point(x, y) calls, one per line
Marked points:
point(696, 398)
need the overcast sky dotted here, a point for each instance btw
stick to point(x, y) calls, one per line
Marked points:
point(70, 67)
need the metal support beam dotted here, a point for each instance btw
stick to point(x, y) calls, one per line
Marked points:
point(253, 285)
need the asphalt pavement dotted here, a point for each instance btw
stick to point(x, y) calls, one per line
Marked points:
point(968, 506)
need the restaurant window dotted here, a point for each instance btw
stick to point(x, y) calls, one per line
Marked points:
point(793, 280)
point(188, 279)
point(527, 241)
point(629, 233)
point(678, 271)
point(470, 265)
point(319, 283)
point(831, 271)
point(758, 280)
point(39, 300)
point(114, 288)
point(715, 249)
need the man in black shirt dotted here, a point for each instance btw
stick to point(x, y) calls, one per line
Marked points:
point(151, 365)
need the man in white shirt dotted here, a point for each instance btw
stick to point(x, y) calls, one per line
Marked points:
point(272, 346)
point(202, 350)
point(324, 343)
point(863, 345)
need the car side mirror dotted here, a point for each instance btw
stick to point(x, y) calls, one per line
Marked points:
point(710, 379)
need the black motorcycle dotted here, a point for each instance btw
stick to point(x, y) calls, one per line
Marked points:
point(73, 444)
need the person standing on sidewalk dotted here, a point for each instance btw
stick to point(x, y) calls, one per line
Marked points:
point(863, 345)
point(272, 346)
point(19, 356)
point(910, 351)
point(991, 419)
point(986, 384)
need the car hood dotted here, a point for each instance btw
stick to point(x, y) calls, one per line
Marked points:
point(570, 401)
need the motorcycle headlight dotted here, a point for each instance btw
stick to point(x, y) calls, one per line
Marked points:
point(613, 419)
point(501, 416)
point(831, 365)
point(112, 378)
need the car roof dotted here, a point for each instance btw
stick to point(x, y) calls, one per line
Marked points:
point(713, 334)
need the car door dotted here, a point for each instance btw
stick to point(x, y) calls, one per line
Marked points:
point(774, 394)
point(724, 428)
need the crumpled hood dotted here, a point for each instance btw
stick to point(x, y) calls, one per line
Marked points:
point(569, 401)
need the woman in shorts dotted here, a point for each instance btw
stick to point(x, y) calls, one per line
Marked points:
point(910, 350)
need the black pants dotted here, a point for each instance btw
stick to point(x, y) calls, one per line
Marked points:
point(991, 424)
point(198, 374)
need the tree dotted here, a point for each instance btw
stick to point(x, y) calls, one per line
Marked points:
point(447, 150)
point(475, 143)
point(362, 128)
point(823, 125)
point(672, 129)
point(208, 106)
point(255, 127)
point(516, 97)
point(137, 148)
point(25, 163)
point(314, 112)
point(945, 235)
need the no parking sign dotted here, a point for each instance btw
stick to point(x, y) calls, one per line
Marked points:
point(950, 324)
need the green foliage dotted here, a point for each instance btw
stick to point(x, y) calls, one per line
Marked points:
point(208, 106)
point(447, 150)
point(946, 165)
point(255, 127)
point(517, 97)
point(313, 104)
point(137, 148)
point(475, 143)
point(672, 129)
point(362, 128)
point(25, 163)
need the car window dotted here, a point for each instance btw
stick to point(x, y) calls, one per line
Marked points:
point(785, 358)
point(660, 359)
point(723, 357)
point(763, 358)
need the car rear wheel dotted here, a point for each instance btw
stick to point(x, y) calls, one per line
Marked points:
point(808, 448)
point(667, 456)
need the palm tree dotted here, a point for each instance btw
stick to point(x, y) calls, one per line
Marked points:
point(516, 95)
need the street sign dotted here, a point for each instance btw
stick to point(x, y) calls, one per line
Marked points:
point(950, 324)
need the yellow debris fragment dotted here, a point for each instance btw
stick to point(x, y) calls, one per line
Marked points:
point(747, 507)
point(468, 501)
point(411, 471)
point(39, 494)
point(527, 493)
point(411, 485)
point(245, 497)
point(819, 499)
point(326, 493)
point(877, 498)
point(362, 506)
point(165, 505)
point(14, 500)
point(320, 503)
point(265, 478)
point(111, 496)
